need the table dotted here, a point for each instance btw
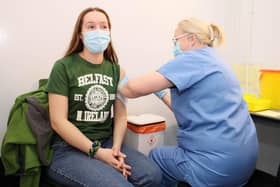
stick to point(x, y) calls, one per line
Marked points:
point(268, 130)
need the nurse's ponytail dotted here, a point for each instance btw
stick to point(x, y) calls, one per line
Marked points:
point(209, 34)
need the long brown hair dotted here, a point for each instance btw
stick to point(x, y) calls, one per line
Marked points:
point(76, 44)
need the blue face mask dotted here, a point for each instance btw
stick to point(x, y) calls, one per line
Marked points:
point(177, 50)
point(97, 41)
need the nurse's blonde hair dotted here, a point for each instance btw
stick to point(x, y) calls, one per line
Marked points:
point(209, 34)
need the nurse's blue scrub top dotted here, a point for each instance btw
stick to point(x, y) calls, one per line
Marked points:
point(215, 127)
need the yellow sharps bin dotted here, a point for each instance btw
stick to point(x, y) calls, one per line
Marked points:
point(270, 86)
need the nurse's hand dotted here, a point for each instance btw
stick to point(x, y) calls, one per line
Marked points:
point(160, 94)
point(164, 95)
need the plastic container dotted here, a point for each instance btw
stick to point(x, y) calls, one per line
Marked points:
point(145, 132)
point(270, 86)
point(255, 103)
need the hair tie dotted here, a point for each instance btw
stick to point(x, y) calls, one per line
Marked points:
point(211, 33)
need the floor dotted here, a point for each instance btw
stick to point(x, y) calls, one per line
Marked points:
point(262, 179)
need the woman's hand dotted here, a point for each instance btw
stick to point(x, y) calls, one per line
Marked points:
point(126, 169)
point(114, 159)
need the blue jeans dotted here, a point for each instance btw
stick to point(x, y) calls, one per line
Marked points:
point(71, 167)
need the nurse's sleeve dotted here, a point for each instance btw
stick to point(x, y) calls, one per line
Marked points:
point(182, 73)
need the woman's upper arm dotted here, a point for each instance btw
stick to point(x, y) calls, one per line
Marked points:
point(58, 108)
point(122, 73)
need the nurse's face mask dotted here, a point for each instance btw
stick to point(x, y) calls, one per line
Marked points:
point(177, 49)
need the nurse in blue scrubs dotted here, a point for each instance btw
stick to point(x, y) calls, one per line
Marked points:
point(217, 140)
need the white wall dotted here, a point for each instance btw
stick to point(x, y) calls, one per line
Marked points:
point(252, 31)
point(34, 33)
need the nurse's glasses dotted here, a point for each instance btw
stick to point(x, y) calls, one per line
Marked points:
point(176, 38)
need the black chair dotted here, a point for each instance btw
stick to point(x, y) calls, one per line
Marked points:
point(10, 180)
point(277, 179)
point(183, 184)
point(45, 181)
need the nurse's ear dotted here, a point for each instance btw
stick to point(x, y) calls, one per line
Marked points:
point(193, 40)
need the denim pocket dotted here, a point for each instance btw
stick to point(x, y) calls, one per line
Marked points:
point(59, 145)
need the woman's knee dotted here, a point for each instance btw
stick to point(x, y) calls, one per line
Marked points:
point(155, 175)
point(152, 177)
point(146, 173)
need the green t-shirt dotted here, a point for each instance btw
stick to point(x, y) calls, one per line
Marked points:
point(91, 91)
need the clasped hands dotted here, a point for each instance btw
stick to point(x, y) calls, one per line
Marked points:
point(115, 158)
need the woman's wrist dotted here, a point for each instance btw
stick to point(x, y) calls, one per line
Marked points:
point(94, 148)
point(98, 153)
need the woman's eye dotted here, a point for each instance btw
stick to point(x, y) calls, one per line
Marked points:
point(91, 27)
point(105, 27)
